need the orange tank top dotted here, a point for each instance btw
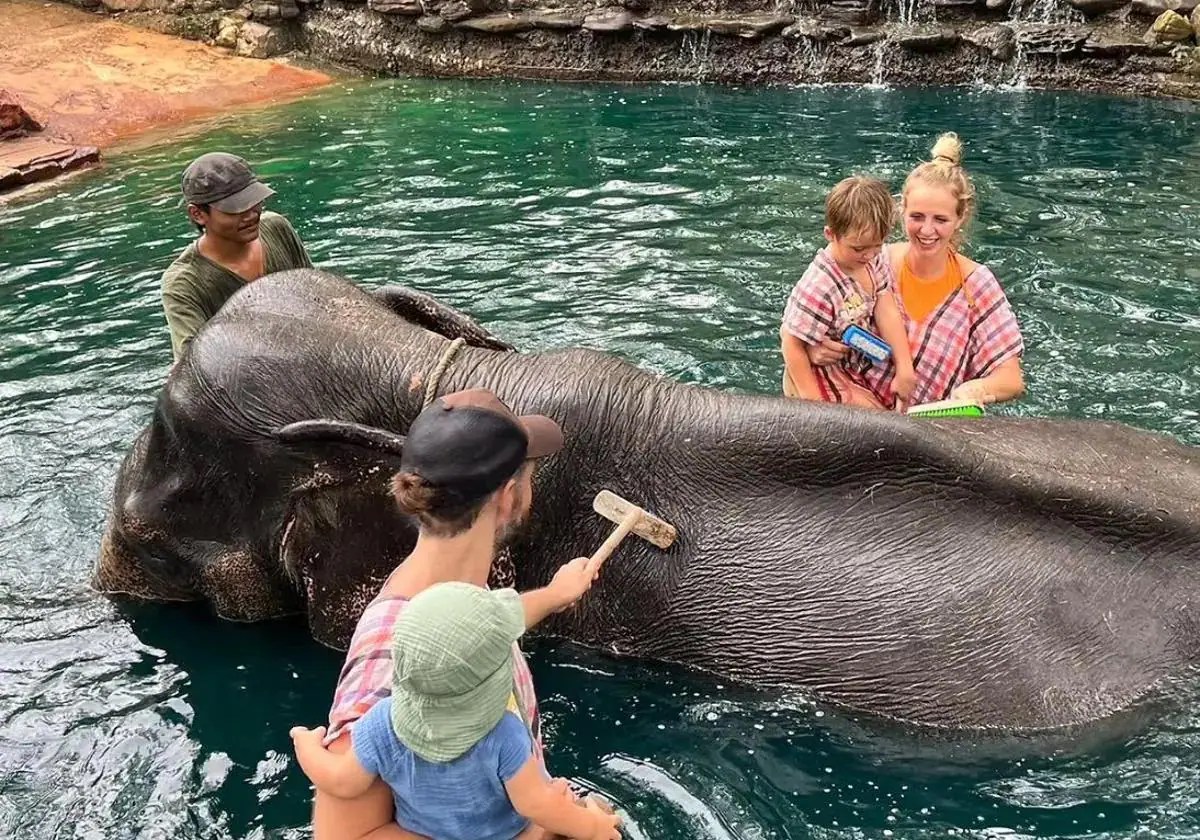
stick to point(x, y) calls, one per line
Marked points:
point(920, 295)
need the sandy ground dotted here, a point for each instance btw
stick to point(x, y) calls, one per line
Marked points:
point(91, 80)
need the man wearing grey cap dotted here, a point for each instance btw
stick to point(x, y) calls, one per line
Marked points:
point(239, 242)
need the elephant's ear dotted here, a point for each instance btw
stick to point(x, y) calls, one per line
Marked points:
point(339, 441)
point(424, 311)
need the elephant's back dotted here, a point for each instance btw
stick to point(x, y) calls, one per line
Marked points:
point(323, 303)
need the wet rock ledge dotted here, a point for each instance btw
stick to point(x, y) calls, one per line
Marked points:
point(1146, 46)
point(27, 154)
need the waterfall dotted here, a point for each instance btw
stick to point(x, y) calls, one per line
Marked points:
point(1043, 11)
point(878, 75)
point(903, 12)
point(812, 60)
point(1017, 80)
point(695, 48)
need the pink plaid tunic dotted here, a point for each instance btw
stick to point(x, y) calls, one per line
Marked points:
point(824, 302)
point(366, 676)
point(968, 336)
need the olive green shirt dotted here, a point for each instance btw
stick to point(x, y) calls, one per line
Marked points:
point(194, 287)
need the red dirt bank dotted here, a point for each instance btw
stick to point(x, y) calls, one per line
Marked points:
point(91, 81)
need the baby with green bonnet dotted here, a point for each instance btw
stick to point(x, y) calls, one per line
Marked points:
point(459, 761)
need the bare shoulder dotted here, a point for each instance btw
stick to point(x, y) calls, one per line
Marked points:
point(896, 252)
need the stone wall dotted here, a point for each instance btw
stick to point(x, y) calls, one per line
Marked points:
point(1144, 46)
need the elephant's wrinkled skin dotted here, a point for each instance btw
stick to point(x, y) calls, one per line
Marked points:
point(987, 573)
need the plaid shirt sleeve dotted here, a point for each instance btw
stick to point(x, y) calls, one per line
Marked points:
point(995, 334)
point(810, 313)
point(881, 272)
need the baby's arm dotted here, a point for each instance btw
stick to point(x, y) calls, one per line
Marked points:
point(890, 324)
point(338, 774)
point(534, 798)
point(798, 367)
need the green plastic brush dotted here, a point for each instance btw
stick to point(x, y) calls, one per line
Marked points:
point(947, 408)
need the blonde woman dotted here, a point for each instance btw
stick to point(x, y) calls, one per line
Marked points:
point(965, 340)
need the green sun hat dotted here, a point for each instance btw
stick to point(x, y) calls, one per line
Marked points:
point(452, 648)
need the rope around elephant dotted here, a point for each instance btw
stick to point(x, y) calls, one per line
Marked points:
point(504, 571)
point(439, 370)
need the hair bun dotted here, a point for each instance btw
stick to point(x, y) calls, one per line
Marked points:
point(948, 148)
point(415, 495)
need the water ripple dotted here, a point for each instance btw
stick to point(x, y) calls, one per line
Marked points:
point(665, 224)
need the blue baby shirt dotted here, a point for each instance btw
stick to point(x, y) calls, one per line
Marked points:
point(462, 799)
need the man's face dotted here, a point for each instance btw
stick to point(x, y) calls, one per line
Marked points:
point(517, 504)
point(234, 227)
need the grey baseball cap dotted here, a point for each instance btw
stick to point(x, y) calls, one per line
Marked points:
point(223, 181)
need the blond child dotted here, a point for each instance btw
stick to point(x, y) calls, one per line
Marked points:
point(848, 284)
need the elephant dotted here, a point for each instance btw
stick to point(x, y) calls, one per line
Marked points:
point(1002, 573)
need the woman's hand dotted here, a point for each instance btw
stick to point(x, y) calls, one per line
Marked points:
point(828, 352)
point(974, 390)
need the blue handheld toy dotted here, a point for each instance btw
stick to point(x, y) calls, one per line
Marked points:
point(867, 343)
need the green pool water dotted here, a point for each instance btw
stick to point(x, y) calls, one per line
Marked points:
point(666, 225)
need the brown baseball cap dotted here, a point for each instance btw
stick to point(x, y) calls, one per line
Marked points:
point(223, 181)
point(472, 443)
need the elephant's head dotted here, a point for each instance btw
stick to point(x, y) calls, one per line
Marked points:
point(253, 486)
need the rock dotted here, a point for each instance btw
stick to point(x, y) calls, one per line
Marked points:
point(653, 22)
point(264, 11)
point(851, 12)
point(27, 160)
point(687, 23)
point(1120, 46)
point(927, 40)
point(554, 19)
point(748, 26)
point(227, 32)
point(257, 40)
point(1154, 8)
point(289, 10)
point(432, 23)
point(457, 10)
point(1051, 38)
point(1092, 8)
point(612, 19)
point(498, 24)
point(406, 8)
point(999, 41)
point(1170, 28)
point(636, 5)
point(864, 37)
point(135, 5)
point(957, 5)
point(998, 5)
point(814, 30)
point(1192, 67)
point(1195, 18)
point(15, 120)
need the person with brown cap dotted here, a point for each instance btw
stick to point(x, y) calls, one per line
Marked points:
point(239, 242)
point(466, 475)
